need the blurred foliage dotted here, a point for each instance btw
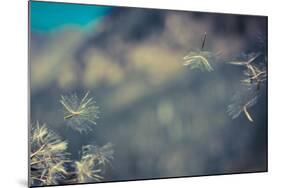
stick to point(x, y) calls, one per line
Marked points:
point(100, 69)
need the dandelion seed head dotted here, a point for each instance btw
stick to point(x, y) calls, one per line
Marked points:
point(48, 156)
point(199, 60)
point(80, 114)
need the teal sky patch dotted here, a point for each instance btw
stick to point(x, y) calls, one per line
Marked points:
point(48, 16)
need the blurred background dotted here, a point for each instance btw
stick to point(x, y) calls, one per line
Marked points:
point(163, 119)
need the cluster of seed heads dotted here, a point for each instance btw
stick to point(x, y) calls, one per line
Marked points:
point(51, 164)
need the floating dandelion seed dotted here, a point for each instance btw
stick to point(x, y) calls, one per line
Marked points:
point(92, 162)
point(104, 153)
point(246, 59)
point(241, 102)
point(255, 76)
point(255, 73)
point(80, 114)
point(199, 59)
point(48, 156)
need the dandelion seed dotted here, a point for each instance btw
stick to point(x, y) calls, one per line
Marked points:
point(246, 59)
point(241, 102)
point(199, 59)
point(55, 171)
point(255, 76)
point(92, 162)
point(104, 153)
point(256, 73)
point(80, 114)
point(86, 171)
point(39, 132)
point(59, 146)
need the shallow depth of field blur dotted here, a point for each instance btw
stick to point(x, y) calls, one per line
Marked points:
point(163, 119)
